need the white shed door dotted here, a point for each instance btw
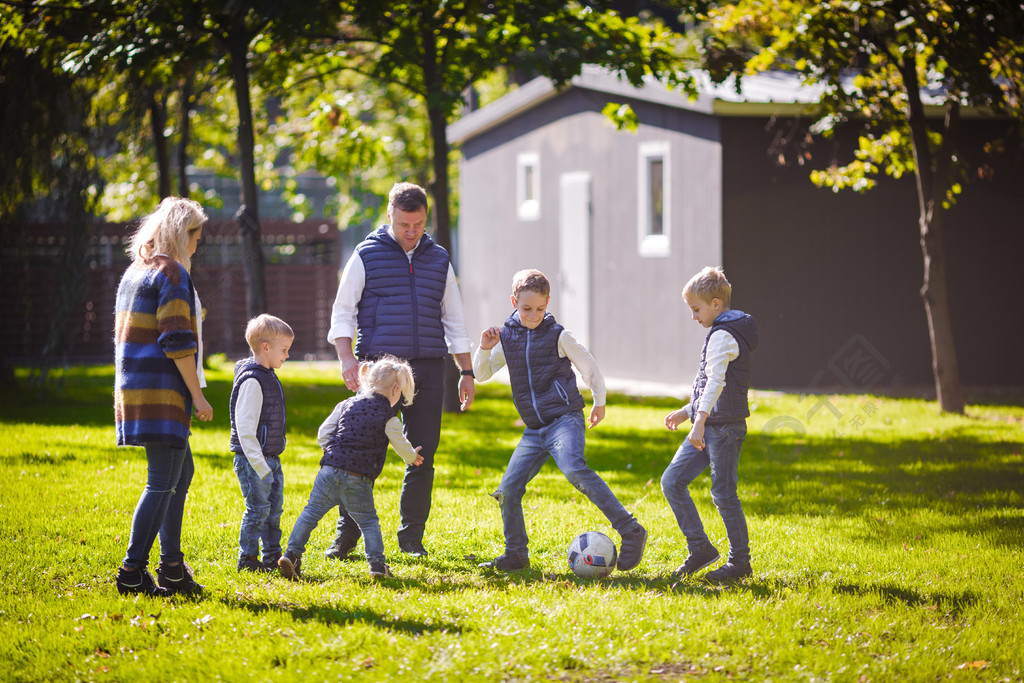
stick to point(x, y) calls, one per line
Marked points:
point(572, 309)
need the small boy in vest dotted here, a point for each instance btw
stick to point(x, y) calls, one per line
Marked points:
point(718, 410)
point(540, 354)
point(258, 439)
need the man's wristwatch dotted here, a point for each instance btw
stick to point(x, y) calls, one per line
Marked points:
point(468, 373)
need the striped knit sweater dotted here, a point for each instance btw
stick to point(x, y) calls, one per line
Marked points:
point(155, 323)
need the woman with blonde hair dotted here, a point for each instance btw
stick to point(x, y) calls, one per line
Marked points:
point(158, 383)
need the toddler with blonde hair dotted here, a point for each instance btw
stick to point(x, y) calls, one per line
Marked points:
point(355, 440)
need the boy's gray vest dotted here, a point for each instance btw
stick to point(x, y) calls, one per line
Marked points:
point(271, 428)
point(732, 403)
point(359, 443)
point(400, 309)
point(543, 384)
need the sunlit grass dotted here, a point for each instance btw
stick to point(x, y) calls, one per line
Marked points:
point(886, 542)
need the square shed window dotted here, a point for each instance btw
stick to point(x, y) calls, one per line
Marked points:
point(528, 186)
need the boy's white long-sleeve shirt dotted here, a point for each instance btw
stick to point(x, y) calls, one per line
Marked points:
point(248, 407)
point(486, 362)
point(393, 428)
point(722, 350)
point(350, 290)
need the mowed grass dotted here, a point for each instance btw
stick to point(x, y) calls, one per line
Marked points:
point(886, 538)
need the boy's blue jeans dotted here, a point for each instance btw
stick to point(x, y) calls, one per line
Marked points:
point(161, 506)
point(722, 453)
point(264, 502)
point(337, 487)
point(563, 440)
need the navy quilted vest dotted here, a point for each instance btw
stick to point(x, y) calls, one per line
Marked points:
point(400, 309)
point(359, 443)
point(732, 404)
point(543, 384)
point(271, 428)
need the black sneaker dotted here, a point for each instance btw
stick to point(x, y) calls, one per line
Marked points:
point(413, 548)
point(270, 564)
point(695, 562)
point(505, 563)
point(631, 550)
point(290, 565)
point(178, 579)
point(342, 546)
point(249, 563)
point(138, 582)
point(379, 569)
point(729, 572)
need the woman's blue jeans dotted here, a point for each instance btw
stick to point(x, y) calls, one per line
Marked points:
point(722, 454)
point(161, 506)
point(563, 441)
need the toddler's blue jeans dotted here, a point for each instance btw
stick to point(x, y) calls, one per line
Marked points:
point(161, 506)
point(337, 487)
point(562, 440)
point(264, 502)
point(722, 454)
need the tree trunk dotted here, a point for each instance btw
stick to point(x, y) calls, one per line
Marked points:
point(248, 216)
point(158, 123)
point(184, 121)
point(932, 184)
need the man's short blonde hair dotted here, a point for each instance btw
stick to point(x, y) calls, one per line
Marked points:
point(709, 284)
point(530, 280)
point(266, 328)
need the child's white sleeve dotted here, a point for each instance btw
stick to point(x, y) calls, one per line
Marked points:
point(580, 356)
point(326, 431)
point(248, 407)
point(486, 362)
point(396, 435)
point(722, 350)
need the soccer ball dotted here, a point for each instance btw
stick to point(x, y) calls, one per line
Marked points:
point(592, 555)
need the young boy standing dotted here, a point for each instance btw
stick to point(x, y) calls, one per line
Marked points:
point(258, 439)
point(718, 409)
point(540, 354)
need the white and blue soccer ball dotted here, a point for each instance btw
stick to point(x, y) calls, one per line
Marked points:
point(592, 555)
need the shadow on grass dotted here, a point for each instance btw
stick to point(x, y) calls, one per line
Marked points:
point(329, 615)
point(952, 604)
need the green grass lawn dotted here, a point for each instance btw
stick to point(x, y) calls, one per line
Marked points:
point(886, 538)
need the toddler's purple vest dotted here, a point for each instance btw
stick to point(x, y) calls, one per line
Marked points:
point(359, 443)
point(732, 403)
point(400, 309)
point(543, 384)
point(271, 428)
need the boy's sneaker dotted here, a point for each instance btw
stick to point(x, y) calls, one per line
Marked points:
point(249, 563)
point(631, 549)
point(342, 546)
point(178, 579)
point(506, 563)
point(138, 582)
point(729, 572)
point(290, 565)
point(379, 569)
point(697, 561)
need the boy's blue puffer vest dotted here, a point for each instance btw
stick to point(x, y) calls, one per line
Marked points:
point(400, 309)
point(271, 428)
point(732, 403)
point(543, 384)
point(359, 443)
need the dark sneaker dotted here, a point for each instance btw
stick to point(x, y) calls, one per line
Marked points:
point(729, 572)
point(249, 563)
point(379, 569)
point(695, 562)
point(505, 563)
point(290, 565)
point(342, 546)
point(138, 582)
point(413, 549)
point(270, 564)
point(632, 548)
point(178, 579)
